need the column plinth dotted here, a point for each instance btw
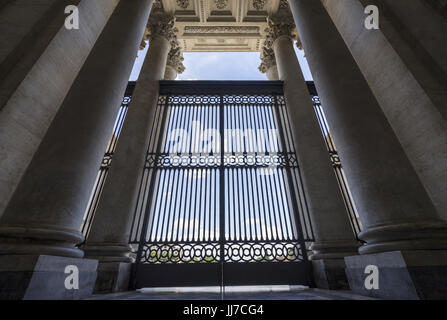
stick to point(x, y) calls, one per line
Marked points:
point(20, 240)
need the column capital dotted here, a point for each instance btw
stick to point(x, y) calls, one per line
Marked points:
point(268, 58)
point(160, 25)
point(175, 58)
point(279, 26)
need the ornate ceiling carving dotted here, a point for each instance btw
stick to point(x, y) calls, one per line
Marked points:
point(184, 4)
point(259, 4)
point(222, 29)
point(221, 4)
point(220, 25)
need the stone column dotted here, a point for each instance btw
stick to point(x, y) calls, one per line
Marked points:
point(174, 64)
point(46, 210)
point(334, 237)
point(39, 61)
point(108, 240)
point(401, 225)
point(405, 64)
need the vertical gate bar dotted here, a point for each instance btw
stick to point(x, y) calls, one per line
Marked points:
point(293, 193)
point(222, 197)
point(199, 203)
point(274, 145)
point(253, 172)
point(249, 180)
point(268, 178)
point(163, 205)
point(185, 231)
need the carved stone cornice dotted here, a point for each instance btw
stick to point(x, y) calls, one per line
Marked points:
point(175, 58)
point(222, 29)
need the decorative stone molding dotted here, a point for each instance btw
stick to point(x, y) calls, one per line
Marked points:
point(161, 25)
point(157, 5)
point(175, 58)
point(268, 59)
point(259, 4)
point(221, 29)
point(278, 27)
point(221, 4)
point(284, 4)
point(184, 4)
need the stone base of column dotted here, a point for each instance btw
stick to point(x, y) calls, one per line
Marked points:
point(42, 277)
point(330, 274)
point(113, 277)
point(415, 275)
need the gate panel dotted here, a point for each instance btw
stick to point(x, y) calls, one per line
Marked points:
point(222, 195)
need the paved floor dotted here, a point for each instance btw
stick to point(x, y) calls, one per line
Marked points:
point(307, 294)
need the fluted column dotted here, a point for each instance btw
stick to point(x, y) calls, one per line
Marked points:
point(393, 205)
point(108, 240)
point(334, 238)
point(46, 210)
point(174, 64)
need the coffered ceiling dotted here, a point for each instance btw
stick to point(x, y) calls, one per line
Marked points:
point(221, 25)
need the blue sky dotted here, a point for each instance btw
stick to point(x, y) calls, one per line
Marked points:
point(221, 66)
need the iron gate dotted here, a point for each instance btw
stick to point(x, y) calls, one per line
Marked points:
point(221, 199)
